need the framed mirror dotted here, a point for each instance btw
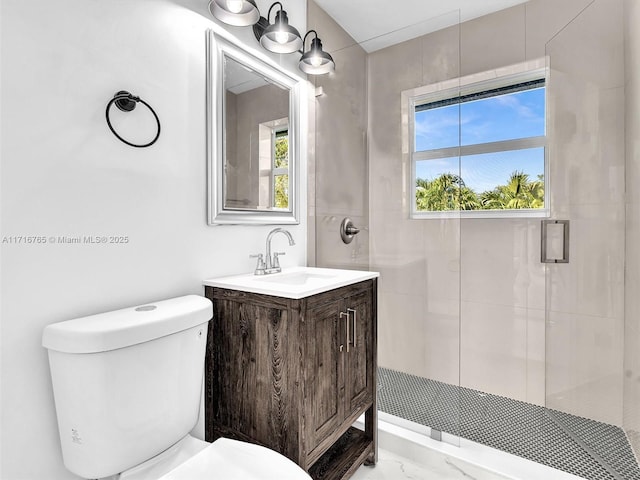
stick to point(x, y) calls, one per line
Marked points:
point(253, 131)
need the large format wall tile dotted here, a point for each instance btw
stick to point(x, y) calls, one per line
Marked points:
point(541, 26)
point(500, 261)
point(494, 349)
point(502, 350)
point(584, 365)
point(493, 41)
point(632, 325)
point(592, 283)
point(339, 150)
point(632, 277)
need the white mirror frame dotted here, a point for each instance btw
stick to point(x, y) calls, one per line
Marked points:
point(217, 49)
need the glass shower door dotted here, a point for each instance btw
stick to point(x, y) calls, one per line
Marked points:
point(418, 258)
point(363, 171)
point(585, 297)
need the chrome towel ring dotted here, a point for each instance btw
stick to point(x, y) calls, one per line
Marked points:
point(127, 103)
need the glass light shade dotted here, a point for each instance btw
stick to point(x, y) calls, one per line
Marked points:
point(280, 37)
point(235, 6)
point(239, 13)
point(316, 61)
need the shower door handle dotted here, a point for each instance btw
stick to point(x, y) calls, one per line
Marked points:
point(552, 232)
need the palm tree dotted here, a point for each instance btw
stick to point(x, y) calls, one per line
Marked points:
point(449, 192)
point(518, 193)
point(446, 192)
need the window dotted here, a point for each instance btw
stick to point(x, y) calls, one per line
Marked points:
point(274, 181)
point(280, 169)
point(479, 148)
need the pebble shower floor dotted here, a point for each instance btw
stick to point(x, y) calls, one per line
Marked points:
point(583, 447)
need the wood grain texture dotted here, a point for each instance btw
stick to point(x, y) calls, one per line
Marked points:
point(344, 457)
point(275, 374)
point(359, 361)
point(254, 371)
point(324, 372)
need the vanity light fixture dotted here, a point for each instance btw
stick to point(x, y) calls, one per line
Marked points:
point(316, 61)
point(279, 36)
point(240, 13)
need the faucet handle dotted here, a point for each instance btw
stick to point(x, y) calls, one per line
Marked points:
point(260, 267)
point(276, 262)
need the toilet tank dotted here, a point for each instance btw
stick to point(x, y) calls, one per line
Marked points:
point(127, 384)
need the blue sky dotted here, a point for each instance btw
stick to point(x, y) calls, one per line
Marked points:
point(505, 117)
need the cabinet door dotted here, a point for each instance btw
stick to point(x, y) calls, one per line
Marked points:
point(359, 374)
point(254, 371)
point(324, 382)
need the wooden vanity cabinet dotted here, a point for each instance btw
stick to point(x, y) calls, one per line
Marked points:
point(295, 374)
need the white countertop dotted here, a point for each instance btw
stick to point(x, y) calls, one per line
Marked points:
point(292, 282)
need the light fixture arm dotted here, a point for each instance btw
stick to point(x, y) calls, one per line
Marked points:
point(304, 40)
point(262, 23)
point(269, 12)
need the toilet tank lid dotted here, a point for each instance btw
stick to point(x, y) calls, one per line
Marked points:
point(128, 326)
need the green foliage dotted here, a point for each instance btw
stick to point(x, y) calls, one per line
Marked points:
point(281, 191)
point(282, 151)
point(449, 192)
point(281, 182)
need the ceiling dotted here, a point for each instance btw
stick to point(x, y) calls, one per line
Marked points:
point(239, 79)
point(377, 24)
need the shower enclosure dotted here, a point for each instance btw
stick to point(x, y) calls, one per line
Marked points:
point(482, 334)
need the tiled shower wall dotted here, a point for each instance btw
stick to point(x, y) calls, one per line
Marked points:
point(463, 301)
point(481, 280)
point(632, 279)
point(585, 299)
point(340, 148)
point(419, 293)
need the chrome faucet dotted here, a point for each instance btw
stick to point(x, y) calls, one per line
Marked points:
point(269, 264)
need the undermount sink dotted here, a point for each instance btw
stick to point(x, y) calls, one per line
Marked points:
point(294, 282)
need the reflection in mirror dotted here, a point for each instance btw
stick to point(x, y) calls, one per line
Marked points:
point(252, 127)
point(256, 140)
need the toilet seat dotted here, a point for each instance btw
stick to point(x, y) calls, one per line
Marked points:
point(227, 459)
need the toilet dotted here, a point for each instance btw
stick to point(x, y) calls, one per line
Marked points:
point(127, 386)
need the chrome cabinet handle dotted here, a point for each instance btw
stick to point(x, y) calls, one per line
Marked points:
point(346, 324)
point(354, 320)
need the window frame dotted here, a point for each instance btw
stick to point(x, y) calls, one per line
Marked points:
point(473, 84)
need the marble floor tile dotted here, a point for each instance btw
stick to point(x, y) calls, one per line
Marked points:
point(394, 467)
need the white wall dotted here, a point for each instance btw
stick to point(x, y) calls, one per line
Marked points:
point(65, 174)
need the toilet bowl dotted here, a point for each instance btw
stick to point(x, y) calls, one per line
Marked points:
point(127, 386)
point(224, 459)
